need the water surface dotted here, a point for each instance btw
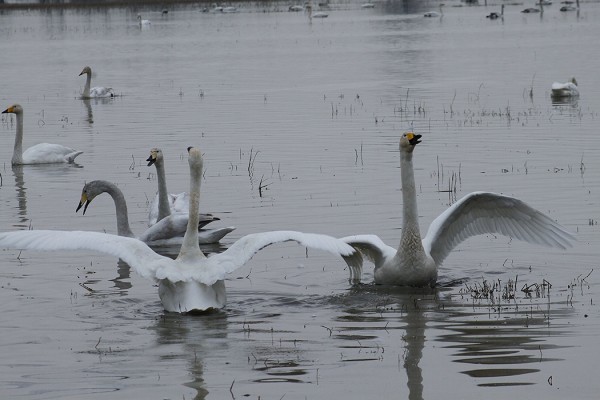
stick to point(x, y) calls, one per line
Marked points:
point(310, 113)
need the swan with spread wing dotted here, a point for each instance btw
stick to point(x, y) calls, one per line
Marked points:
point(416, 261)
point(191, 282)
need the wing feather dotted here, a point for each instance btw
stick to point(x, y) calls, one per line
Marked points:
point(133, 251)
point(239, 253)
point(479, 213)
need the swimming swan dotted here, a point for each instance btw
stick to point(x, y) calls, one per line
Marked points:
point(42, 153)
point(191, 282)
point(416, 261)
point(167, 231)
point(143, 22)
point(165, 203)
point(435, 14)
point(568, 89)
point(495, 15)
point(95, 92)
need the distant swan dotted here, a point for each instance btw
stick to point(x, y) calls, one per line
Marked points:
point(165, 203)
point(95, 92)
point(42, 153)
point(167, 231)
point(192, 282)
point(416, 261)
point(495, 15)
point(143, 22)
point(569, 6)
point(435, 14)
point(568, 89)
point(531, 10)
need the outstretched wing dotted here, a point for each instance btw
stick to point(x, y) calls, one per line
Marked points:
point(479, 213)
point(133, 251)
point(219, 265)
point(372, 248)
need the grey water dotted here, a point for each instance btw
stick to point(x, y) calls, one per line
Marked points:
point(299, 121)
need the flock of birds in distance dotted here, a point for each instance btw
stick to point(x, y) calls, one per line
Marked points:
point(194, 282)
point(567, 5)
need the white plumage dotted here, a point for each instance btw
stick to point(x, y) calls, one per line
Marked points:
point(42, 153)
point(416, 261)
point(95, 92)
point(567, 89)
point(191, 282)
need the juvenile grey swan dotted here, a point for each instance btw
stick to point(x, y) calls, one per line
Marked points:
point(191, 282)
point(416, 261)
point(95, 92)
point(42, 153)
point(168, 231)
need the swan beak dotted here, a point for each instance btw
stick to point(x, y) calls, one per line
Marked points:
point(8, 110)
point(84, 201)
point(413, 139)
point(151, 160)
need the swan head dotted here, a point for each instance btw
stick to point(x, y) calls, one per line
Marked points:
point(574, 81)
point(409, 140)
point(86, 70)
point(14, 109)
point(195, 156)
point(88, 193)
point(156, 156)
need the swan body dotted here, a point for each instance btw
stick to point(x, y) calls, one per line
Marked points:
point(191, 282)
point(367, 5)
point(165, 203)
point(495, 15)
point(95, 92)
point(320, 14)
point(143, 22)
point(568, 89)
point(295, 8)
point(434, 14)
point(416, 261)
point(42, 153)
point(167, 231)
point(531, 10)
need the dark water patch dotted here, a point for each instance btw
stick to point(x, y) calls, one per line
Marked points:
point(502, 384)
point(496, 373)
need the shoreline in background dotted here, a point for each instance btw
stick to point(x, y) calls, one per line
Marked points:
point(101, 3)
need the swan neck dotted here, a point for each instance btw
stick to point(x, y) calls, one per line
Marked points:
point(190, 248)
point(88, 83)
point(163, 196)
point(17, 157)
point(410, 217)
point(123, 228)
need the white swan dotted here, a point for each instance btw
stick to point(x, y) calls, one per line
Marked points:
point(95, 92)
point(167, 231)
point(143, 22)
point(192, 282)
point(416, 261)
point(42, 153)
point(165, 203)
point(435, 14)
point(568, 89)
